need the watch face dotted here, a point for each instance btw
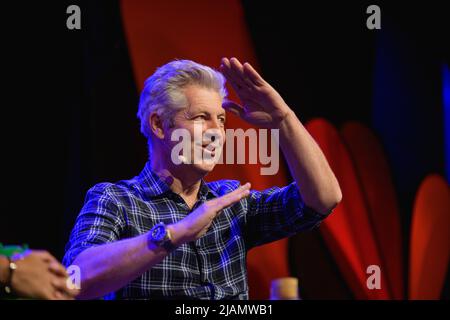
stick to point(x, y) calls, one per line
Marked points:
point(158, 233)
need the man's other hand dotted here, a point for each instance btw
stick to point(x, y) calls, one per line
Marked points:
point(197, 223)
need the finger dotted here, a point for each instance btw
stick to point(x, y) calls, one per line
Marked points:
point(232, 197)
point(236, 67)
point(234, 76)
point(238, 71)
point(66, 297)
point(73, 293)
point(225, 62)
point(221, 202)
point(225, 68)
point(226, 202)
point(234, 108)
point(253, 75)
point(58, 295)
point(57, 269)
point(231, 194)
point(240, 189)
point(60, 284)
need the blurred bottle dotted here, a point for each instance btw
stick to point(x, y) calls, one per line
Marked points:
point(284, 289)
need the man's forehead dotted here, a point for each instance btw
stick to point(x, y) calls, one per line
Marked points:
point(212, 108)
point(203, 99)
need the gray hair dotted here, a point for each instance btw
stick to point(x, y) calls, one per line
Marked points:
point(163, 92)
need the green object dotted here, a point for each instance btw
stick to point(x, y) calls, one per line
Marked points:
point(11, 250)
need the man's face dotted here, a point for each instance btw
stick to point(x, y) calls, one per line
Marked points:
point(202, 118)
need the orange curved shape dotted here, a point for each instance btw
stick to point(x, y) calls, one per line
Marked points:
point(205, 31)
point(348, 231)
point(430, 239)
point(374, 175)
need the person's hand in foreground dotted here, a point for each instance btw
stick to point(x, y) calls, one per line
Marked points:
point(38, 276)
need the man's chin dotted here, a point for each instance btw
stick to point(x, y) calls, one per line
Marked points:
point(203, 168)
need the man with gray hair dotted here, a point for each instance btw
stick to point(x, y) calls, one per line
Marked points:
point(167, 234)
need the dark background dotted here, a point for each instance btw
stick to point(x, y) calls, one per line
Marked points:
point(69, 100)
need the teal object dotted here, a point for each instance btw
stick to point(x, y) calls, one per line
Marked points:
point(11, 250)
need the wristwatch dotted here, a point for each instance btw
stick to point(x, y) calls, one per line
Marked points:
point(162, 237)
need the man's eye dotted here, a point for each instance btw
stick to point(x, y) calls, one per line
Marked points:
point(200, 117)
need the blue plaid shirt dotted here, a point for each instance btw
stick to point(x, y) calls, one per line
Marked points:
point(212, 267)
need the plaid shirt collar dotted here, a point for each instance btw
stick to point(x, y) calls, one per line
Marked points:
point(154, 186)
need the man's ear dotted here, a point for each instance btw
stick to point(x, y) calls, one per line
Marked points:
point(156, 125)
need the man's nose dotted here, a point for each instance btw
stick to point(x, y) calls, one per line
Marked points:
point(214, 133)
point(214, 124)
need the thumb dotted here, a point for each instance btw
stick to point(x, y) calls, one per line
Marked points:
point(233, 108)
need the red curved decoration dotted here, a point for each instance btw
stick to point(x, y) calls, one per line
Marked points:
point(378, 189)
point(348, 231)
point(430, 240)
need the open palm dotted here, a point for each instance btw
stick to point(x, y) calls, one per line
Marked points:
point(262, 105)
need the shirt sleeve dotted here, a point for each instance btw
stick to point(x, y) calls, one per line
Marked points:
point(277, 213)
point(100, 221)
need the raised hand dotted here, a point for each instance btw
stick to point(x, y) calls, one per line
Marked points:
point(262, 105)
